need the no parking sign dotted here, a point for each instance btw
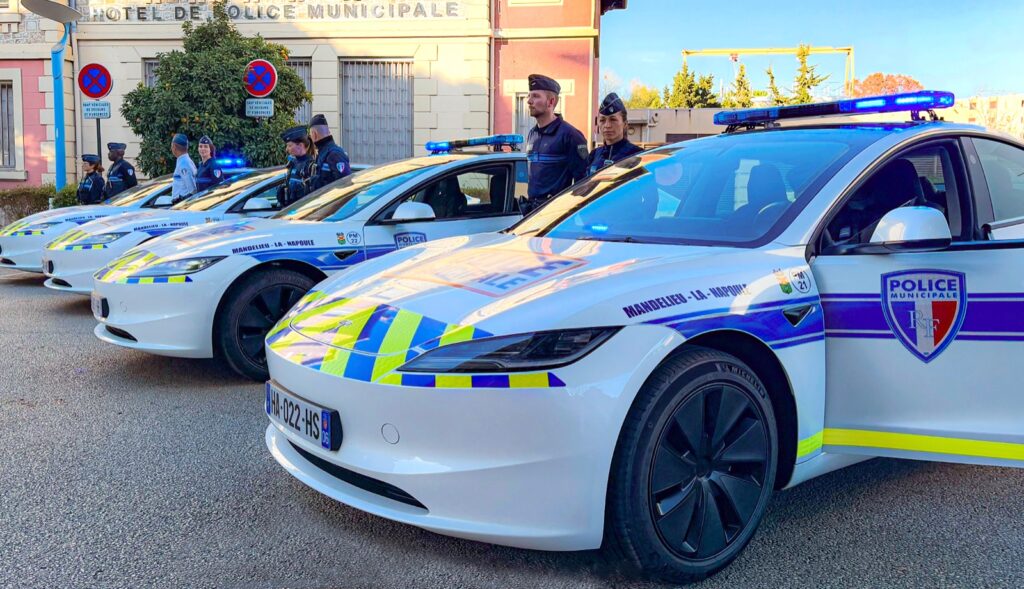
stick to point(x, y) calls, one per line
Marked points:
point(260, 78)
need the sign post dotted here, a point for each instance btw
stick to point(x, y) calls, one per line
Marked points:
point(260, 81)
point(95, 82)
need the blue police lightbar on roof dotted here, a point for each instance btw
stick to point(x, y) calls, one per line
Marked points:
point(438, 147)
point(913, 101)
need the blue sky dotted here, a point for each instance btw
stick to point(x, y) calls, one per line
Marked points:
point(968, 46)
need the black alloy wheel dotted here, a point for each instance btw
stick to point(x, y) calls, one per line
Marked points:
point(262, 312)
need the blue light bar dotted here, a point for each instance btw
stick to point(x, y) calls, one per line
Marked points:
point(909, 102)
point(438, 147)
point(230, 162)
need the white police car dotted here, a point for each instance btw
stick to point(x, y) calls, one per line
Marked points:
point(70, 261)
point(218, 289)
point(22, 242)
point(643, 361)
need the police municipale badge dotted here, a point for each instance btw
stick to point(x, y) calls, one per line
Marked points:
point(341, 167)
point(131, 172)
point(216, 173)
point(924, 309)
point(582, 150)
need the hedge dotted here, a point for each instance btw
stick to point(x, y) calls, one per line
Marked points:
point(25, 200)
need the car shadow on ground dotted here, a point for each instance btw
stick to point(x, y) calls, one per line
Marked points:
point(167, 372)
point(73, 303)
point(20, 280)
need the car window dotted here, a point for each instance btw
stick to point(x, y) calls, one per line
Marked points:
point(220, 194)
point(268, 193)
point(473, 193)
point(1004, 174)
point(923, 177)
point(729, 190)
point(140, 192)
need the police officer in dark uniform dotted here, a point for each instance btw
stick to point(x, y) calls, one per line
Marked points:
point(90, 189)
point(611, 123)
point(121, 175)
point(331, 160)
point(301, 166)
point(556, 151)
point(209, 173)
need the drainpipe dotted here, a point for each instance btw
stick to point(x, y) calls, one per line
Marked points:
point(57, 71)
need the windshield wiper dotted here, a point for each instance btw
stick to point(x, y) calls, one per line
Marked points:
point(625, 239)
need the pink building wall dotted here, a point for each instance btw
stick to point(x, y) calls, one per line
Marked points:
point(33, 103)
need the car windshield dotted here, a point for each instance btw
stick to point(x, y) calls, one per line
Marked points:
point(139, 193)
point(729, 190)
point(222, 193)
point(351, 194)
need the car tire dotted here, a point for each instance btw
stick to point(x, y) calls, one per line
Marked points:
point(250, 309)
point(693, 469)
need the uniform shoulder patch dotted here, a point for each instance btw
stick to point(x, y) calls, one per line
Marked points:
point(217, 173)
point(582, 150)
point(341, 167)
point(131, 172)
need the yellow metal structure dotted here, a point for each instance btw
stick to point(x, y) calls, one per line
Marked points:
point(848, 76)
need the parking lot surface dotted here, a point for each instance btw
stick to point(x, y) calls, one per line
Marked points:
point(122, 469)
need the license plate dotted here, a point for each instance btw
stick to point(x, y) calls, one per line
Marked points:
point(307, 420)
point(97, 307)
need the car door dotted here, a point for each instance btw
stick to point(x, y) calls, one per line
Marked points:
point(473, 199)
point(923, 348)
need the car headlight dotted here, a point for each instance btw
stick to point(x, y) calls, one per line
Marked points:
point(512, 353)
point(179, 267)
point(102, 238)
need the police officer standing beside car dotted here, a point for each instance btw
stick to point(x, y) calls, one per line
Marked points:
point(183, 184)
point(611, 123)
point(121, 175)
point(301, 166)
point(90, 189)
point(209, 173)
point(331, 160)
point(556, 151)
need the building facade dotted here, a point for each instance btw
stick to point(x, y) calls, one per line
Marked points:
point(390, 75)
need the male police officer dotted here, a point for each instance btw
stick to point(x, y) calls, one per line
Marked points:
point(209, 173)
point(121, 174)
point(300, 166)
point(183, 183)
point(331, 160)
point(611, 122)
point(556, 151)
point(90, 189)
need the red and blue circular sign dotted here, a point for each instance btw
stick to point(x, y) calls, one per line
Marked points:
point(94, 81)
point(260, 78)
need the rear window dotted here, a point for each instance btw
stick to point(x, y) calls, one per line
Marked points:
point(725, 190)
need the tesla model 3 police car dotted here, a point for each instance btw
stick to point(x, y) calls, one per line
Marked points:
point(70, 261)
point(221, 287)
point(640, 363)
point(22, 242)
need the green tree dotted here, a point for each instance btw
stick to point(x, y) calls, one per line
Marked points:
point(704, 95)
point(740, 94)
point(807, 79)
point(201, 91)
point(643, 97)
point(681, 94)
point(775, 96)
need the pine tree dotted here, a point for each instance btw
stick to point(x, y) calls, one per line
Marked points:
point(775, 96)
point(682, 94)
point(807, 79)
point(704, 95)
point(740, 94)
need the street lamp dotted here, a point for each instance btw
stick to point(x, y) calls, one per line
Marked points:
point(64, 15)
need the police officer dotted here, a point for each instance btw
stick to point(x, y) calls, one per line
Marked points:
point(331, 160)
point(121, 175)
point(556, 151)
point(611, 122)
point(90, 189)
point(183, 184)
point(209, 173)
point(301, 166)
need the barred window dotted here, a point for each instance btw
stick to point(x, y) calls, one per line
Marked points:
point(149, 78)
point(7, 137)
point(304, 68)
point(376, 110)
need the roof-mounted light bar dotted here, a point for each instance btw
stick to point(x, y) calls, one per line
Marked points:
point(909, 102)
point(496, 141)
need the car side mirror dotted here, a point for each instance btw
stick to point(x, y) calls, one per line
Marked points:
point(408, 212)
point(257, 204)
point(164, 200)
point(912, 229)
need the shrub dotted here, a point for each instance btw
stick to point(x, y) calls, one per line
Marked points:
point(25, 200)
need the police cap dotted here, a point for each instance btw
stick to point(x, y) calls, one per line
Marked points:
point(205, 140)
point(180, 140)
point(90, 158)
point(295, 134)
point(541, 82)
point(317, 120)
point(611, 105)
point(117, 146)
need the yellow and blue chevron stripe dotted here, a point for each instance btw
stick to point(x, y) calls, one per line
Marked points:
point(121, 270)
point(10, 230)
point(363, 341)
point(66, 242)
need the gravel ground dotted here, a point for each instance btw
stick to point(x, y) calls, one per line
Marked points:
point(122, 469)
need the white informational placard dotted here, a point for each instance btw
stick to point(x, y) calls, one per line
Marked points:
point(259, 108)
point(95, 109)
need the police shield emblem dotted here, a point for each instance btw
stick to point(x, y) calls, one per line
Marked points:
point(924, 309)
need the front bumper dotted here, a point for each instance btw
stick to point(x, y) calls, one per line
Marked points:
point(23, 252)
point(525, 467)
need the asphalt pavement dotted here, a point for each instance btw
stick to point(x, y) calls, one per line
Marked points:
point(121, 469)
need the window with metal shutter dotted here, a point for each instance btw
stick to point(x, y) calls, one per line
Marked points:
point(149, 77)
point(376, 110)
point(7, 125)
point(304, 68)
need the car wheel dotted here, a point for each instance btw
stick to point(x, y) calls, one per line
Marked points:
point(693, 469)
point(251, 308)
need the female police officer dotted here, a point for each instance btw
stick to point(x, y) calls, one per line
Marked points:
point(611, 122)
point(209, 173)
point(301, 165)
point(90, 189)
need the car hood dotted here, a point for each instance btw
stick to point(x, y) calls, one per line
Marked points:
point(497, 284)
point(64, 217)
point(244, 237)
